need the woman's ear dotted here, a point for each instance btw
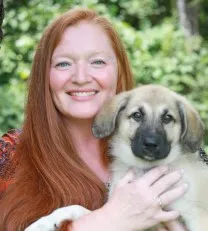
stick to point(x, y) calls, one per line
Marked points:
point(192, 127)
point(105, 121)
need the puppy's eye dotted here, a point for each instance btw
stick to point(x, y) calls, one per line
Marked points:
point(137, 116)
point(167, 119)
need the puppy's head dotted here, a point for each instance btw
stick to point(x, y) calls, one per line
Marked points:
point(150, 123)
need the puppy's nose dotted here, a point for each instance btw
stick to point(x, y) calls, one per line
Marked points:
point(151, 144)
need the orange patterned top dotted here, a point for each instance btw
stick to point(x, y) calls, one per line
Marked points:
point(7, 151)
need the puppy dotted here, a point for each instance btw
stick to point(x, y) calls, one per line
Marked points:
point(150, 126)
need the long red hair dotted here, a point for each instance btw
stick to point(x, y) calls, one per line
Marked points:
point(50, 174)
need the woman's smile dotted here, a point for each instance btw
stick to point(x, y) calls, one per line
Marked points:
point(83, 95)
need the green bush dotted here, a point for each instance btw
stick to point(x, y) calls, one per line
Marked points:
point(12, 105)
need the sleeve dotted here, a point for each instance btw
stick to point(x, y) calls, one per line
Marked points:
point(7, 150)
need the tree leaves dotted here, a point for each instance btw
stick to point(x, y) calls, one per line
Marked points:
point(156, 47)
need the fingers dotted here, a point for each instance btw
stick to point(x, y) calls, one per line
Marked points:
point(172, 195)
point(129, 177)
point(166, 182)
point(175, 225)
point(162, 229)
point(154, 174)
point(164, 216)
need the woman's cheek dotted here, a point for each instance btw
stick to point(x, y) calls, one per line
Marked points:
point(58, 79)
point(108, 78)
point(53, 79)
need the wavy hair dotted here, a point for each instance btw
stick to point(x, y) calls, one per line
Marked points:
point(50, 173)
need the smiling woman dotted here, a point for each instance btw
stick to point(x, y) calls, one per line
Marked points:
point(85, 77)
point(79, 64)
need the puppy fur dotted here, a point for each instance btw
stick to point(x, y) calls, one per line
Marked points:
point(151, 126)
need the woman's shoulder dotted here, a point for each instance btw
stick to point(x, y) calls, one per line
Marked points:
point(7, 150)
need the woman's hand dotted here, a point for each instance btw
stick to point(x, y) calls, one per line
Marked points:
point(136, 204)
point(173, 226)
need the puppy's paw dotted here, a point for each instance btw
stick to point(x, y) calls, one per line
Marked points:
point(53, 220)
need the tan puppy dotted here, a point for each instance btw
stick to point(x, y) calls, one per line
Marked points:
point(152, 126)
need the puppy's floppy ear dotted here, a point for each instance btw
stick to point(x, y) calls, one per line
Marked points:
point(192, 127)
point(105, 121)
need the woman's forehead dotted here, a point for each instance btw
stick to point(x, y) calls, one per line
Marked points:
point(86, 38)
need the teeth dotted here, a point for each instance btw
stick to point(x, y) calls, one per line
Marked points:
point(83, 93)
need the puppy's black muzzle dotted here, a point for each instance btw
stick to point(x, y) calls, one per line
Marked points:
point(150, 146)
point(151, 143)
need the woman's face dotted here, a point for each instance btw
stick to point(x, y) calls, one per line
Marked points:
point(83, 71)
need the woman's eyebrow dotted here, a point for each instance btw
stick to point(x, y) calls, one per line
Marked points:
point(63, 55)
point(100, 52)
point(86, 55)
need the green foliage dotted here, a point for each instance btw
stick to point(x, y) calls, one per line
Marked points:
point(24, 25)
point(156, 47)
point(12, 104)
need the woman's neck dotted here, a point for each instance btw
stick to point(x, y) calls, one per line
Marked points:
point(88, 146)
point(81, 132)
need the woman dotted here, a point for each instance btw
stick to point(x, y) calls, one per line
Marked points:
point(79, 63)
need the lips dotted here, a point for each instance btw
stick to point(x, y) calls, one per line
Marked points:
point(83, 93)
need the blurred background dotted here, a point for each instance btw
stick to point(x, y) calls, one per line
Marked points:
point(166, 40)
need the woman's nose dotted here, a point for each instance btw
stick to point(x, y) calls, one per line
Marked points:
point(81, 75)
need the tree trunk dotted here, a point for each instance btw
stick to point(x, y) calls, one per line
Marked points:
point(1, 18)
point(188, 16)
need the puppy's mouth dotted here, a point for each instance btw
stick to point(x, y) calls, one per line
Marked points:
point(152, 157)
point(149, 157)
point(149, 154)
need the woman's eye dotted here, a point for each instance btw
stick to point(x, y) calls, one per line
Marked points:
point(98, 62)
point(63, 64)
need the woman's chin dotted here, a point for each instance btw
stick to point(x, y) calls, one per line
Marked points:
point(81, 115)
